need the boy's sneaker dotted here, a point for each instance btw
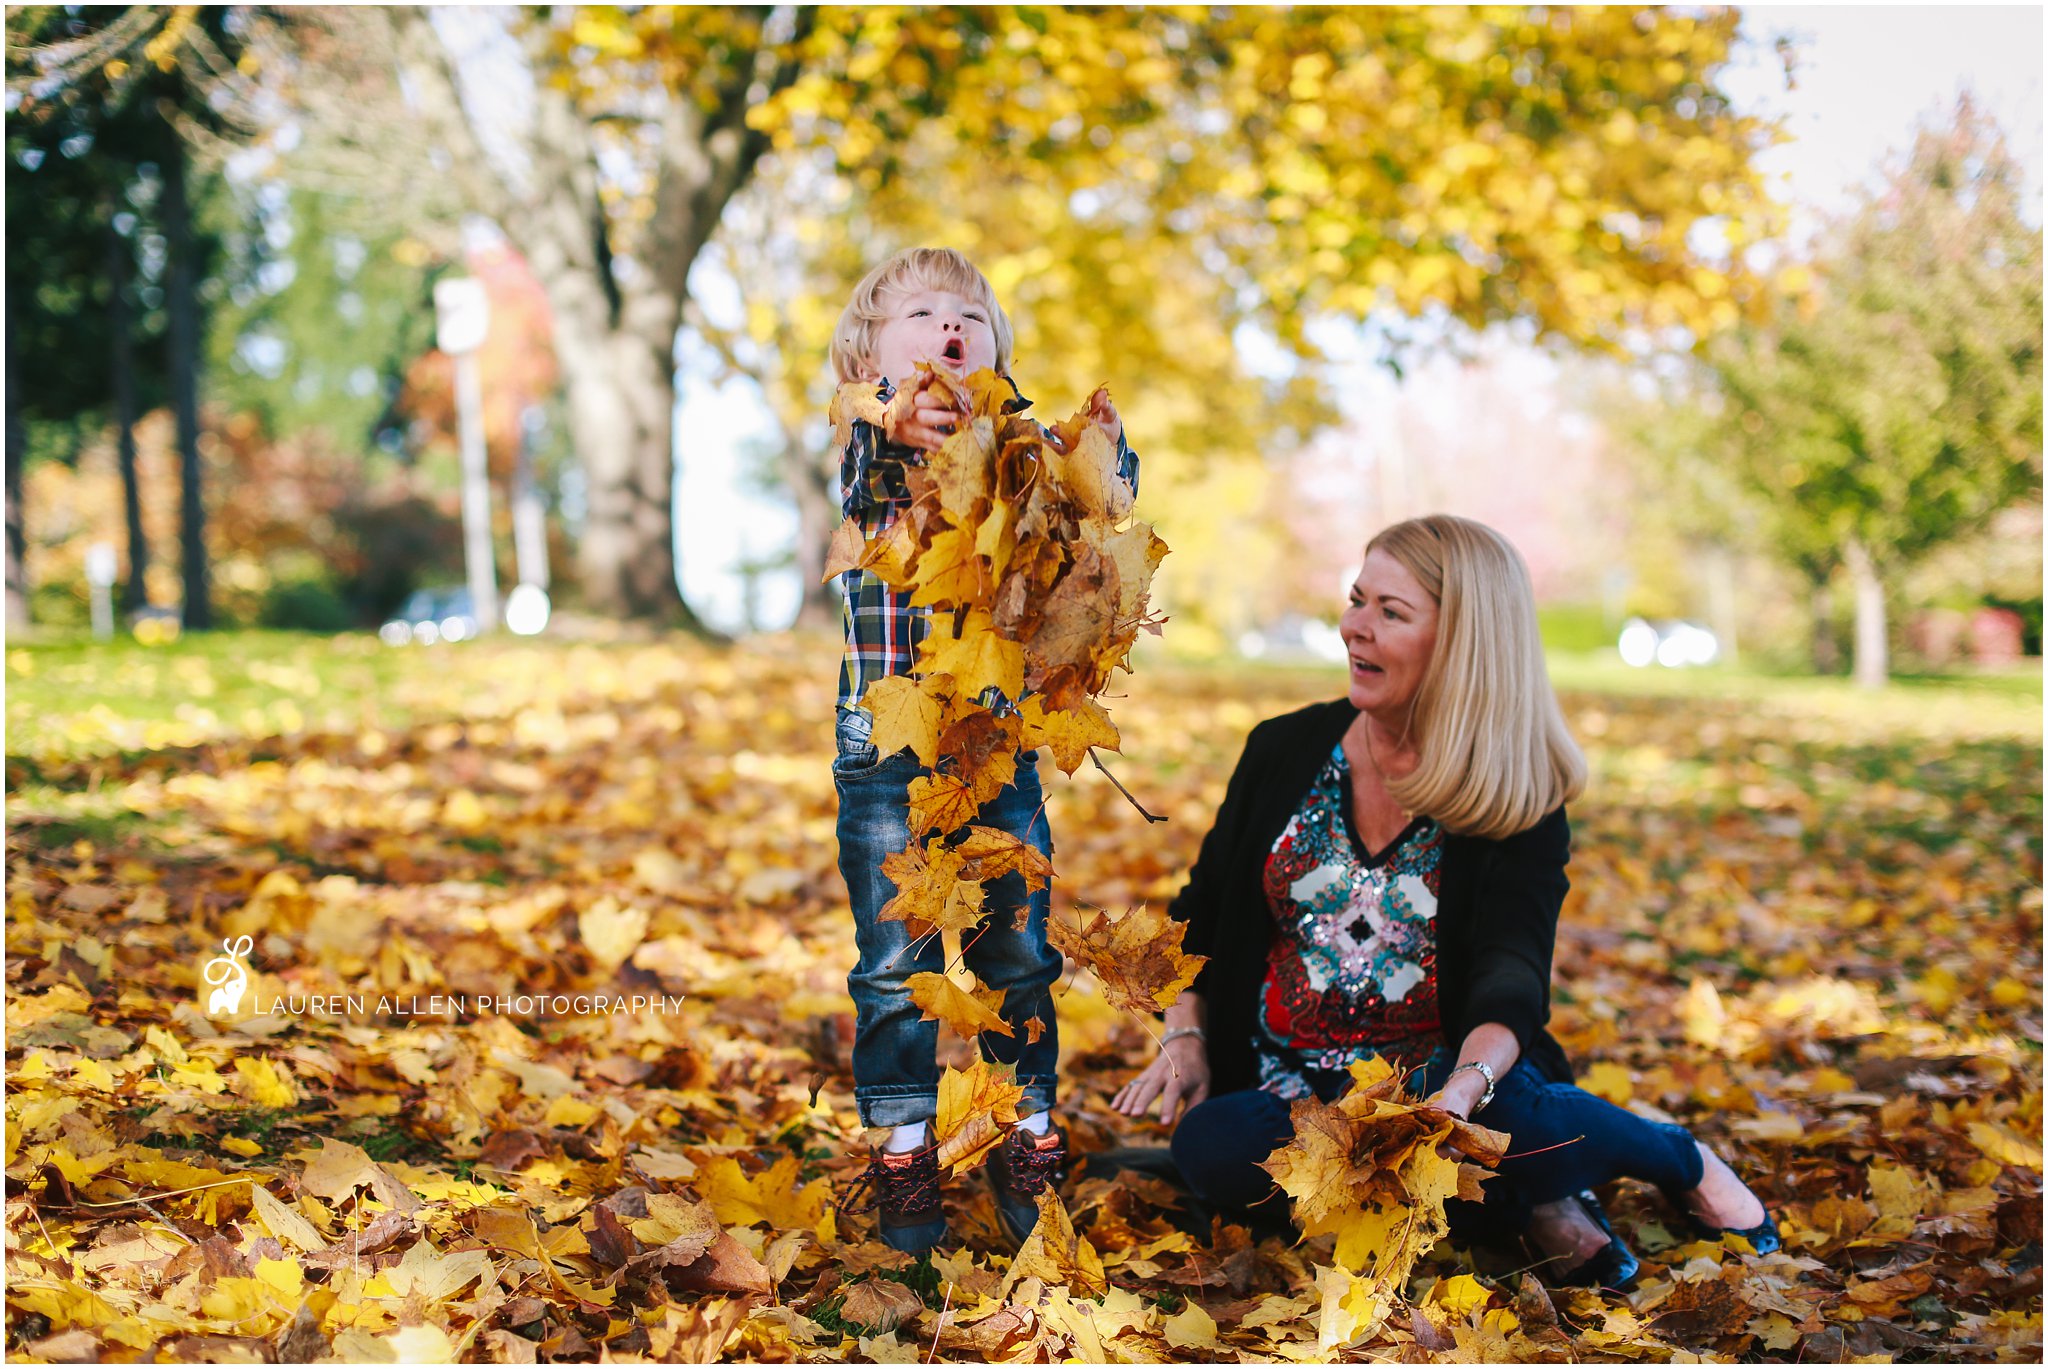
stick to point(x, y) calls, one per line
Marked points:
point(903, 1188)
point(1018, 1171)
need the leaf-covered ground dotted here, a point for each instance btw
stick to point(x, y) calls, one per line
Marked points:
point(1805, 923)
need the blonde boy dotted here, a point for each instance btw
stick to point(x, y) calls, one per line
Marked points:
point(929, 305)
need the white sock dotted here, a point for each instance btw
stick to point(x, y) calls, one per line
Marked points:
point(907, 1137)
point(1038, 1123)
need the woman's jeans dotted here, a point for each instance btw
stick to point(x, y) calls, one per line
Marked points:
point(1564, 1140)
point(895, 1052)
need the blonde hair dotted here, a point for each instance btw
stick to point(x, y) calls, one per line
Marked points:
point(1494, 754)
point(916, 268)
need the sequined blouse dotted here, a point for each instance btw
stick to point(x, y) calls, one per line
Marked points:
point(1352, 966)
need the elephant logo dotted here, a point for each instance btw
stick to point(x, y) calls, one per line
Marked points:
point(230, 979)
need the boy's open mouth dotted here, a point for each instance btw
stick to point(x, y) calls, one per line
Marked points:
point(956, 350)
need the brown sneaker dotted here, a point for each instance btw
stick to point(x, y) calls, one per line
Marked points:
point(903, 1189)
point(1018, 1171)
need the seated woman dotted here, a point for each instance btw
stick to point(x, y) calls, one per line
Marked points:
point(1384, 877)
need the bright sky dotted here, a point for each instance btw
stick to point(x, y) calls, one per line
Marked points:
point(1865, 76)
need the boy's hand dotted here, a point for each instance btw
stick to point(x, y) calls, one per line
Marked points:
point(929, 421)
point(1102, 409)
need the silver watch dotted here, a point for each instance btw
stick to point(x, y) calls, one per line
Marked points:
point(1485, 1072)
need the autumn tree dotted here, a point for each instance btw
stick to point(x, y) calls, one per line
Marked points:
point(1900, 408)
point(1541, 164)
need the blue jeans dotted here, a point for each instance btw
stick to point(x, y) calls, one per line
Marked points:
point(1565, 1139)
point(895, 1054)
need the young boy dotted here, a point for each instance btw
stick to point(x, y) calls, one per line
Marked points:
point(930, 305)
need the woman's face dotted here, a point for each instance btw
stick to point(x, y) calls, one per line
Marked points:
point(1389, 633)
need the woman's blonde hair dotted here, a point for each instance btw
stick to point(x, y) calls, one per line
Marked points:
point(1495, 757)
point(911, 270)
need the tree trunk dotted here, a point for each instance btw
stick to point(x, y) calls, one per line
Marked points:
point(1826, 652)
point(621, 415)
point(17, 536)
point(135, 593)
point(1873, 665)
point(183, 305)
point(817, 515)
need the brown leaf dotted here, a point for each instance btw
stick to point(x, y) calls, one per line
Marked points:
point(1134, 956)
point(726, 1266)
point(881, 1305)
point(385, 1230)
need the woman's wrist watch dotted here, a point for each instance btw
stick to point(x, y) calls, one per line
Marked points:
point(1178, 1032)
point(1485, 1072)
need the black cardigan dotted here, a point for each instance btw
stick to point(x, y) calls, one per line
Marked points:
point(1496, 918)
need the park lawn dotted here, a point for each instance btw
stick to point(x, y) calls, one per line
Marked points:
point(1804, 921)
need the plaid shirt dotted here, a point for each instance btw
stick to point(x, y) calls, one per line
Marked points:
point(882, 629)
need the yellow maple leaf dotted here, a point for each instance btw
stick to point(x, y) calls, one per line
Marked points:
point(1069, 733)
point(1086, 473)
point(949, 573)
point(977, 1107)
point(773, 1196)
point(943, 1000)
point(963, 469)
point(847, 549)
point(991, 853)
point(974, 655)
point(931, 889)
point(1057, 1254)
point(941, 803)
point(908, 712)
point(266, 1083)
point(1135, 956)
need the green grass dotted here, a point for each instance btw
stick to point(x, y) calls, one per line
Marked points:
point(71, 700)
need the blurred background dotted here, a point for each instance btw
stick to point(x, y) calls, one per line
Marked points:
point(1730, 319)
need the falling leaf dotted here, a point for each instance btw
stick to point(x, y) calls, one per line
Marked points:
point(1135, 956)
point(944, 1001)
point(977, 1107)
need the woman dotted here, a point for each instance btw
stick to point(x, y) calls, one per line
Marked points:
point(1384, 877)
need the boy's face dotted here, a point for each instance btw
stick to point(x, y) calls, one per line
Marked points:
point(938, 326)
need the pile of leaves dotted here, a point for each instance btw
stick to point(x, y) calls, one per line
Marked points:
point(1808, 931)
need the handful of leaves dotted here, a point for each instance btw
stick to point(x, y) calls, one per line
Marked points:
point(1021, 541)
point(1372, 1169)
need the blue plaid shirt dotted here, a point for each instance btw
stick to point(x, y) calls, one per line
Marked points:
point(882, 629)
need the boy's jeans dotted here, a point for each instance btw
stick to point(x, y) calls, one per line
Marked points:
point(895, 1054)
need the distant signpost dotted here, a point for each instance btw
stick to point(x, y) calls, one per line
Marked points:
point(462, 317)
point(101, 566)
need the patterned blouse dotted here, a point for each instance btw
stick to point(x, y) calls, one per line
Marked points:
point(1352, 970)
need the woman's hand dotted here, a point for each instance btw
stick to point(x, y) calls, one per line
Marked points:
point(1460, 1094)
point(1178, 1078)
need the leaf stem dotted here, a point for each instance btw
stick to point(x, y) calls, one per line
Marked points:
point(1149, 817)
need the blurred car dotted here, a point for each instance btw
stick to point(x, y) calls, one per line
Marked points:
point(1674, 645)
point(432, 615)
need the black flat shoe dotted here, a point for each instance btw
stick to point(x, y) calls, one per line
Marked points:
point(1613, 1266)
point(1763, 1237)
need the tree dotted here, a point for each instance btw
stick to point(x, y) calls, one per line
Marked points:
point(1899, 408)
point(81, 353)
point(163, 77)
point(1551, 165)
